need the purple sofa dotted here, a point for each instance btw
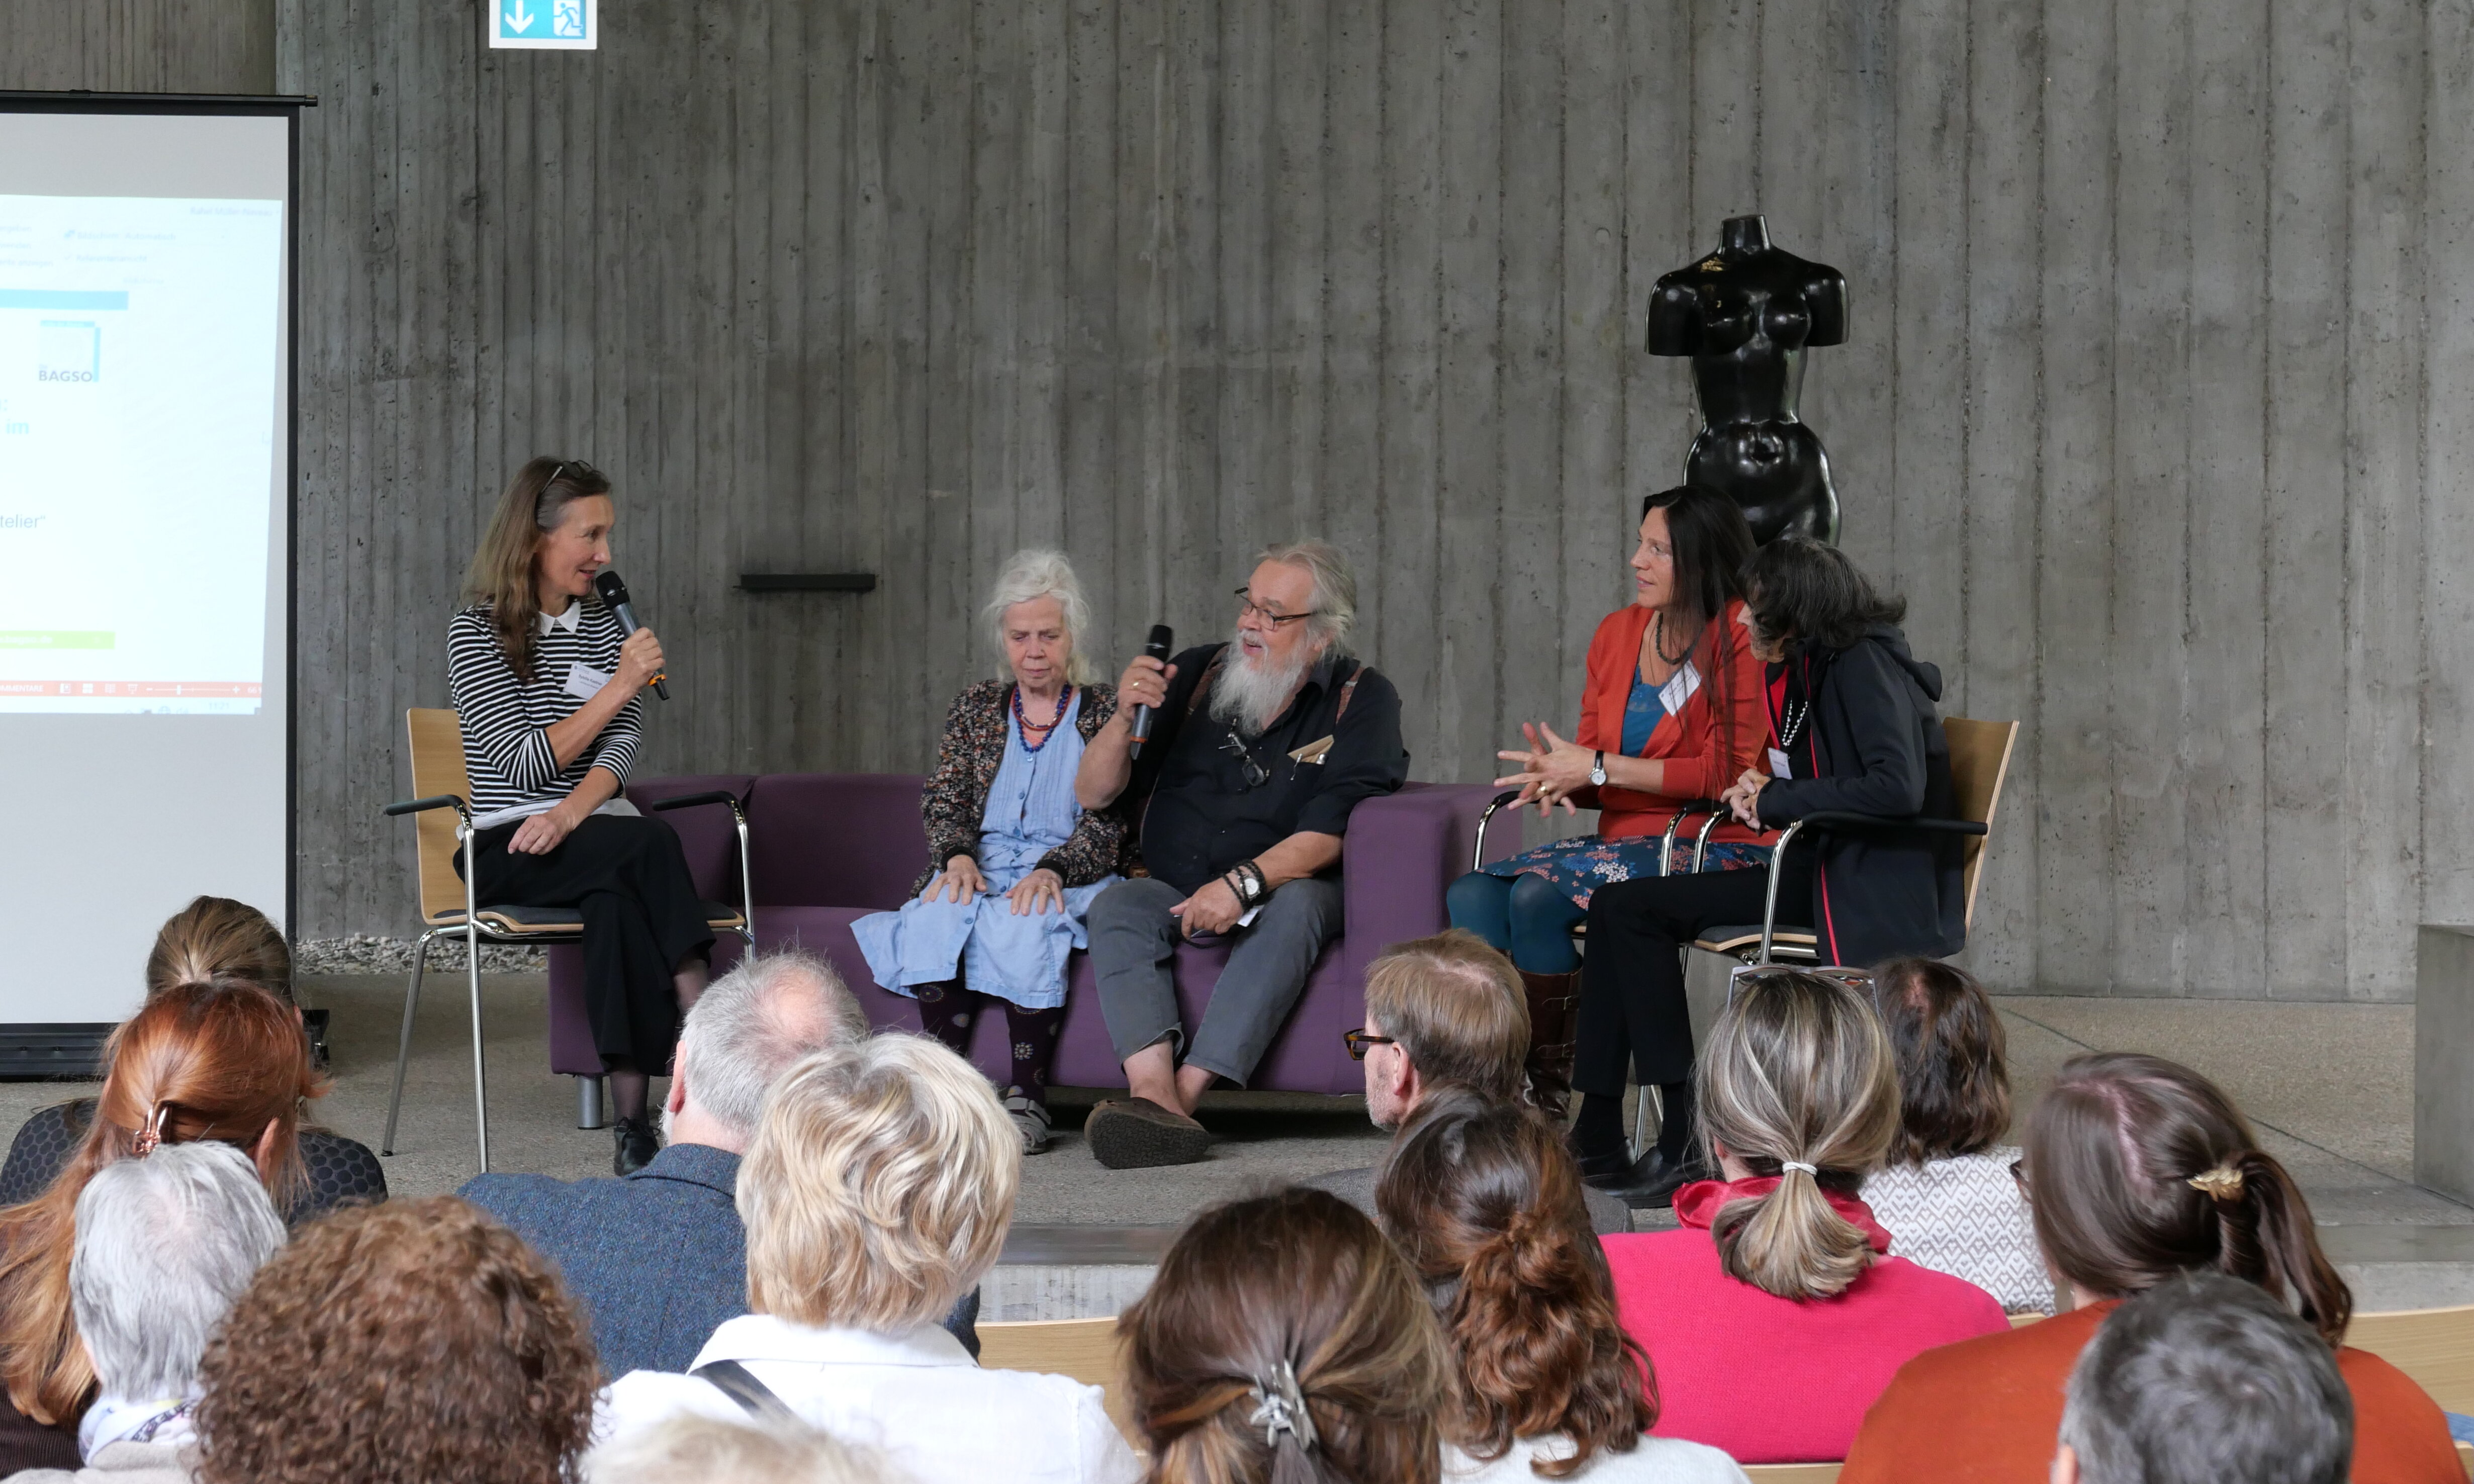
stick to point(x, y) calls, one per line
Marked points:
point(828, 848)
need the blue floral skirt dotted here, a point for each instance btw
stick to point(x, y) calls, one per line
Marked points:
point(1580, 866)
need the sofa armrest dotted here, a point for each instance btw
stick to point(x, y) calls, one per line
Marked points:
point(1403, 850)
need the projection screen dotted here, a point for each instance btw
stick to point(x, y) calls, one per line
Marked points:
point(146, 450)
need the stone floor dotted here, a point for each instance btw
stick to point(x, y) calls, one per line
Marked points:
point(2329, 1086)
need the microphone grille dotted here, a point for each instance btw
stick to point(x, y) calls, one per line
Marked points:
point(607, 583)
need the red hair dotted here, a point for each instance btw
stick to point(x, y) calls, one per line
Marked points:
point(221, 1062)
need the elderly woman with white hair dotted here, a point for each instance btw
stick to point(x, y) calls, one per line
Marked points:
point(1014, 860)
point(165, 1243)
point(878, 1191)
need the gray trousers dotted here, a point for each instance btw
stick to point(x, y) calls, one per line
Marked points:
point(1134, 944)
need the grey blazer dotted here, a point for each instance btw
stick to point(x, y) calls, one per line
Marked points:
point(659, 1258)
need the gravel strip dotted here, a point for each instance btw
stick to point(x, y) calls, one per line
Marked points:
point(363, 954)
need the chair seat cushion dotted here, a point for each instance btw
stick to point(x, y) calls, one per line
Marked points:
point(1729, 940)
point(524, 921)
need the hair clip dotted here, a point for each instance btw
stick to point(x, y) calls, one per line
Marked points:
point(150, 1138)
point(1280, 1406)
point(2225, 1182)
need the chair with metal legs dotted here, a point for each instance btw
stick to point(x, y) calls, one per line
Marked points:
point(449, 905)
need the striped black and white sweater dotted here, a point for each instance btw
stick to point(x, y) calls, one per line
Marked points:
point(505, 720)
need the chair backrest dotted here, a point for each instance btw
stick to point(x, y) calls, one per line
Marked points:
point(835, 839)
point(1085, 1350)
point(1791, 1473)
point(1979, 764)
point(2435, 1347)
point(437, 745)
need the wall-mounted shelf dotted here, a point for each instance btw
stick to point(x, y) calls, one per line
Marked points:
point(806, 582)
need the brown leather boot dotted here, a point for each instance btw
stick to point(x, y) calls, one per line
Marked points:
point(1553, 1019)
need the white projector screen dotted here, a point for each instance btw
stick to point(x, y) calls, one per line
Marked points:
point(146, 285)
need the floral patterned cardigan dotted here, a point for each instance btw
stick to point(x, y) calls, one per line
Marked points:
point(956, 793)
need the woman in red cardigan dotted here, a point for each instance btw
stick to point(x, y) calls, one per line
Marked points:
point(1673, 712)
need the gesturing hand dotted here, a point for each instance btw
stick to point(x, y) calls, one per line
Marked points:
point(1551, 769)
point(960, 876)
point(1031, 895)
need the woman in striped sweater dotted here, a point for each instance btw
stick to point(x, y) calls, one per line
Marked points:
point(549, 691)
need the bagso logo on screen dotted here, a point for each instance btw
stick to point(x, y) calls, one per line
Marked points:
point(69, 351)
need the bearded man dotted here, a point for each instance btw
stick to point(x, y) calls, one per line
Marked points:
point(1259, 749)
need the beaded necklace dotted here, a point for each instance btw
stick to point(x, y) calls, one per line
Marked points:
point(1047, 732)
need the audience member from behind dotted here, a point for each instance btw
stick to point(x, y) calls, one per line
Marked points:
point(164, 1245)
point(1779, 1272)
point(1442, 1011)
point(2137, 1171)
point(1947, 1195)
point(876, 1194)
point(659, 1257)
point(409, 1343)
point(2203, 1379)
point(1285, 1342)
point(215, 943)
point(194, 1063)
point(1485, 1201)
point(691, 1449)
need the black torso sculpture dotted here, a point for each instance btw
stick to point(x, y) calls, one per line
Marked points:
point(1746, 314)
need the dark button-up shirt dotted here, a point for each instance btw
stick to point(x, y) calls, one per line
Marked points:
point(1202, 816)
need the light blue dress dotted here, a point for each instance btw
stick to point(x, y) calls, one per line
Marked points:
point(1030, 811)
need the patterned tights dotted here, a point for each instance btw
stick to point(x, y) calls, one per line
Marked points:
point(948, 1012)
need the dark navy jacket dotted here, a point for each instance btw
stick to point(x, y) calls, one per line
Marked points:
point(658, 1259)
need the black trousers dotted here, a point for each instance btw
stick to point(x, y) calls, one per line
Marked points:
point(641, 921)
point(1631, 978)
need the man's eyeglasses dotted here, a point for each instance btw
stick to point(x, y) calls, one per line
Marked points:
point(1256, 774)
point(1360, 1042)
point(1247, 608)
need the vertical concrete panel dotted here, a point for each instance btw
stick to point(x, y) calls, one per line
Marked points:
point(2448, 475)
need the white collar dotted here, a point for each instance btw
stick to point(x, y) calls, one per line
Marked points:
point(567, 620)
point(763, 1337)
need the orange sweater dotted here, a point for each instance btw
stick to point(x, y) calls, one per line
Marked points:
point(1988, 1410)
point(1700, 762)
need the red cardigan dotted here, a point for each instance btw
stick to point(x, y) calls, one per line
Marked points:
point(1699, 765)
point(1771, 1380)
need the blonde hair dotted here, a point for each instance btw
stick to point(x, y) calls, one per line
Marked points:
point(1035, 573)
point(878, 1189)
point(1455, 1005)
point(688, 1447)
point(1798, 1068)
point(216, 940)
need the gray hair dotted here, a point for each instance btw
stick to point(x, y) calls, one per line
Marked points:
point(1035, 573)
point(1335, 588)
point(2205, 1377)
point(164, 1246)
point(752, 1023)
point(688, 1447)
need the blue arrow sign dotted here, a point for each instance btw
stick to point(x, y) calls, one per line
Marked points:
point(562, 25)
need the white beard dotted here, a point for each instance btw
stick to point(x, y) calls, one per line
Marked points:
point(1249, 694)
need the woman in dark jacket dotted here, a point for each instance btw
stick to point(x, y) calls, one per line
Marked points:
point(1853, 729)
point(1014, 860)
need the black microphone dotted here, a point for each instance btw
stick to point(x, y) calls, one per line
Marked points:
point(614, 594)
point(1163, 640)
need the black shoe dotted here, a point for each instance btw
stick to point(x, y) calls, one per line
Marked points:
point(636, 1145)
point(1606, 1165)
point(1132, 1133)
point(1652, 1182)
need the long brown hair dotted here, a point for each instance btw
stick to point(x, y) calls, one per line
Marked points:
point(1954, 1072)
point(1798, 1068)
point(1294, 1283)
point(1712, 546)
point(408, 1343)
point(2111, 1152)
point(218, 1062)
point(1484, 1194)
point(216, 938)
point(502, 578)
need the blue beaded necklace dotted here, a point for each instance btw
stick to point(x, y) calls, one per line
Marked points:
point(1048, 733)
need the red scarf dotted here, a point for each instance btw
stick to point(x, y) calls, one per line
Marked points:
point(1698, 1204)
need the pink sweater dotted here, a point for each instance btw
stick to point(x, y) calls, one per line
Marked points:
point(1771, 1380)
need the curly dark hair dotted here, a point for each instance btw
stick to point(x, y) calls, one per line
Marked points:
point(399, 1344)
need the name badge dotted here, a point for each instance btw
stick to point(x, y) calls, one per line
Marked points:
point(1778, 764)
point(584, 682)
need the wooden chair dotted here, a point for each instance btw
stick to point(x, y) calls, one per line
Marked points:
point(1979, 764)
point(448, 904)
point(2436, 1347)
point(1087, 1349)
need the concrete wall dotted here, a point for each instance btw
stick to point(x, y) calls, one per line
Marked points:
point(2155, 404)
point(154, 46)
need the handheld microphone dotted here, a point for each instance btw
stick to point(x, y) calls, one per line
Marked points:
point(614, 594)
point(1158, 646)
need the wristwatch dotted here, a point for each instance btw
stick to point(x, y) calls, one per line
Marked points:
point(1598, 769)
